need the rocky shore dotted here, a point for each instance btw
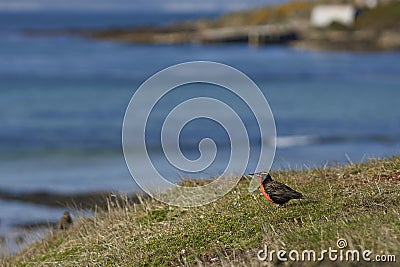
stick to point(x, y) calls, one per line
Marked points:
point(287, 24)
point(84, 200)
point(17, 235)
point(361, 40)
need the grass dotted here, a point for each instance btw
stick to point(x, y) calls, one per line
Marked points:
point(264, 15)
point(359, 202)
point(380, 18)
point(383, 17)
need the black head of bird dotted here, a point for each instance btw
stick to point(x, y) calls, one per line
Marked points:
point(264, 177)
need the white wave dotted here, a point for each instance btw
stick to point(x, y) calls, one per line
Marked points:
point(295, 140)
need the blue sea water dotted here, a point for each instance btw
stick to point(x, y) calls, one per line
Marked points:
point(63, 98)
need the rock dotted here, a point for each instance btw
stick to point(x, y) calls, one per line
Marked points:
point(389, 40)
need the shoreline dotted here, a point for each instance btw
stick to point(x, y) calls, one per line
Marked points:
point(82, 200)
point(15, 236)
point(285, 24)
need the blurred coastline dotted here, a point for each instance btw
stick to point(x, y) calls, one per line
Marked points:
point(360, 25)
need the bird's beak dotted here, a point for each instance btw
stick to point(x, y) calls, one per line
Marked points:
point(254, 183)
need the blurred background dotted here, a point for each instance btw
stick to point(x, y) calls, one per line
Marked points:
point(63, 96)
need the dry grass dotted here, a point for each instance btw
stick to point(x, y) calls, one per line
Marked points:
point(264, 15)
point(359, 202)
point(384, 17)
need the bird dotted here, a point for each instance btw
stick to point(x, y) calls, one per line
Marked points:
point(65, 221)
point(277, 192)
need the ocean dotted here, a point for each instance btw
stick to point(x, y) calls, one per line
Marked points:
point(63, 100)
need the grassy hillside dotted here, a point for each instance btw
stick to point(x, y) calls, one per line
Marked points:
point(384, 17)
point(264, 15)
point(360, 203)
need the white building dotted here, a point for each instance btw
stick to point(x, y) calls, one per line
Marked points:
point(324, 15)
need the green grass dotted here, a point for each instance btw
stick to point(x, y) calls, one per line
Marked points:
point(359, 202)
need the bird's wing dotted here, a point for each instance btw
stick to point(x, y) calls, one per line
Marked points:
point(281, 189)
